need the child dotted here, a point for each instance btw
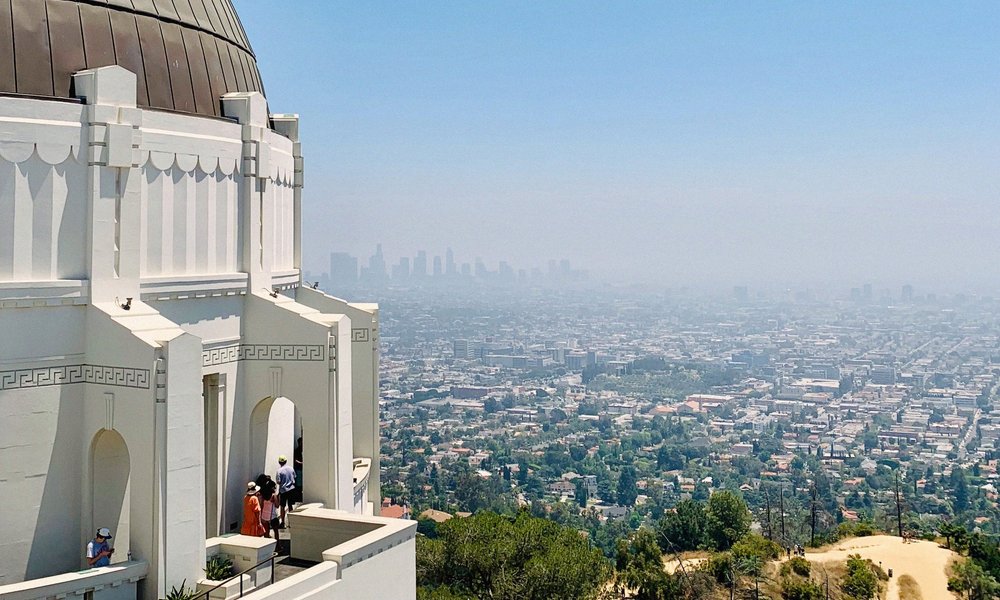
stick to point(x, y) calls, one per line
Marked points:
point(269, 508)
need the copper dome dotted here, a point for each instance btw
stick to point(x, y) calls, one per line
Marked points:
point(185, 53)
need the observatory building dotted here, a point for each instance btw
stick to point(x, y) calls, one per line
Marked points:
point(158, 348)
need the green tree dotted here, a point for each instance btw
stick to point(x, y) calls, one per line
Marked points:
point(639, 569)
point(860, 582)
point(955, 536)
point(728, 519)
point(970, 578)
point(491, 556)
point(628, 489)
point(960, 490)
point(683, 529)
point(581, 493)
point(870, 440)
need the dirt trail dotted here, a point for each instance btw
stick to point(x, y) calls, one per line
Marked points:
point(925, 561)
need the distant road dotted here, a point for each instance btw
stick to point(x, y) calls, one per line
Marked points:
point(914, 352)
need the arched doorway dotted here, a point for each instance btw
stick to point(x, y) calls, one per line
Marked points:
point(275, 424)
point(109, 479)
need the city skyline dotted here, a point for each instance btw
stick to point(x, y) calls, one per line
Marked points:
point(345, 269)
point(677, 144)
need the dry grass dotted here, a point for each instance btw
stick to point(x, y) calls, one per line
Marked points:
point(691, 560)
point(909, 589)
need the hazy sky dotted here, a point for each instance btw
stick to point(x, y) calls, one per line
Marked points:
point(684, 142)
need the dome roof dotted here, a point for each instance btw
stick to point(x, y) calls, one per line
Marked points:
point(185, 53)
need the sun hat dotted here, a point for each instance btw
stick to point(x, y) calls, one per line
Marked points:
point(104, 532)
point(252, 488)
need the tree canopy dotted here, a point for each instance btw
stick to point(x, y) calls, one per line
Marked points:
point(492, 556)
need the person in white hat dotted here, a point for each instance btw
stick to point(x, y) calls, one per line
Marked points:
point(251, 512)
point(98, 550)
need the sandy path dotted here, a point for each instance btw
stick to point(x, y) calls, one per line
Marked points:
point(925, 561)
point(671, 565)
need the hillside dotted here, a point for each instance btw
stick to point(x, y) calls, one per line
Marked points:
point(926, 562)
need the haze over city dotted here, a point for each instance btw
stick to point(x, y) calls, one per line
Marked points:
point(510, 300)
point(671, 144)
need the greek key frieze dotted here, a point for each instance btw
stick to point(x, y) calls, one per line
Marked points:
point(220, 355)
point(67, 374)
point(280, 352)
point(360, 334)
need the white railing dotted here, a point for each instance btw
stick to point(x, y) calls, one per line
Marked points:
point(361, 471)
point(349, 551)
point(114, 582)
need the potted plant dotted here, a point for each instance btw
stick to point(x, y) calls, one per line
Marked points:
point(182, 593)
point(219, 569)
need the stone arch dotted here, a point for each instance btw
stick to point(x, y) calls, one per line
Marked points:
point(110, 475)
point(274, 426)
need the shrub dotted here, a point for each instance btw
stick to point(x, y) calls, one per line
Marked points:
point(861, 581)
point(218, 568)
point(858, 529)
point(797, 565)
point(801, 589)
point(720, 566)
point(756, 546)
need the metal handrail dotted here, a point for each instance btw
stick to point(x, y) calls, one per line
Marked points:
point(240, 575)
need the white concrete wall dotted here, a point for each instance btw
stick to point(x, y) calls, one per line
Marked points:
point(134, 413)
point(293, 358)
point(115, 582)
point(40, 459)
point(40, 336)
point(374, 557)
point(364, 377)
point(390, 574)
point(189, 222)
point(40, 217)
point(188, 178)
point(41, 467)
point(42, 177)
point(282, 197)
point(182, 509)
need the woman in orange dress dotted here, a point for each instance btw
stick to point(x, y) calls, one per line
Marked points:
point(251, 512)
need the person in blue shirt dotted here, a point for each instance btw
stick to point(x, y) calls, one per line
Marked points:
point(286, 487)
point(98, 550)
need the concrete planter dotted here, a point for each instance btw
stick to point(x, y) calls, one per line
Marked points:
point(228, 591)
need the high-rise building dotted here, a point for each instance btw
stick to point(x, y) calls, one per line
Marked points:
point(343, 270)
point(449, 263)
point(420, 265)
point(376, 271)
point(907, 293)
point(462, 349)
point(437, 266)
point(153, 365)
point(505, 272)
point(401, 271)
point(883, 375)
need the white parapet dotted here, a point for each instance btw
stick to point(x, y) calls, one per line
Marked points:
point(114, 582)
point(357, 557)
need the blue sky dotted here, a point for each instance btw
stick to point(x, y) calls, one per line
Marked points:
point(676, 142)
